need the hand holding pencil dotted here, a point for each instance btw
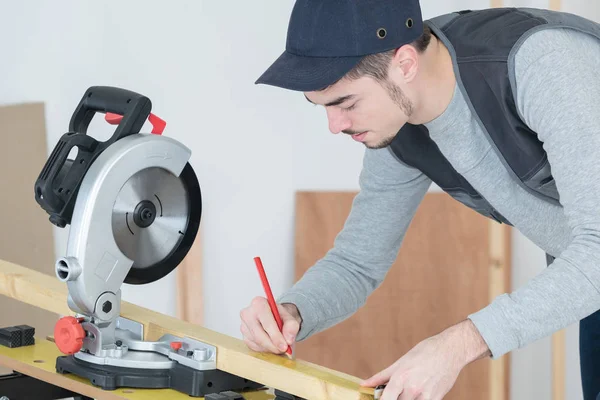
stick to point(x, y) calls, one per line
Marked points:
point(267, 326)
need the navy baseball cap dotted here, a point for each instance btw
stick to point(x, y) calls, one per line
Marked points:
point(327, 38)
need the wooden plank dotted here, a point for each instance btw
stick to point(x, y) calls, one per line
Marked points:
point(297, 377)
point(190, 305)
point(499, 281)
point(559, 338)
point(38, 361)
point(559, 365)
point(555, 5)
point(26, 237)
point(440, 276)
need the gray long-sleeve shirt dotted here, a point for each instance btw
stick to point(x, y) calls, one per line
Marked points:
point(558, 90)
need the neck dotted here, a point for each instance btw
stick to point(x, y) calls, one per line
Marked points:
point(435, 87)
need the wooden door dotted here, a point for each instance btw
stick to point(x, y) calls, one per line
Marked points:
point(452, 262)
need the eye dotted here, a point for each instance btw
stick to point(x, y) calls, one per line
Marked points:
point(350, 107)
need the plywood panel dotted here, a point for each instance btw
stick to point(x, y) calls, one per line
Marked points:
point(445, 270)
point(26, 235)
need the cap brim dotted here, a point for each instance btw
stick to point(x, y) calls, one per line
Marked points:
point(294, 72)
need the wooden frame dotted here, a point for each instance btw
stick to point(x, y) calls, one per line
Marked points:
point(499, 281)
point(190, 304)
point(559, 338)
point(296, 377)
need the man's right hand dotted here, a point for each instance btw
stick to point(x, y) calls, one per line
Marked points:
point(260, 330)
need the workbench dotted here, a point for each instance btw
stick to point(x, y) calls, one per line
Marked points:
point(276, 372)
point(37, 379)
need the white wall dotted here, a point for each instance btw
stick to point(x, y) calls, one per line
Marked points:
point(253, 146)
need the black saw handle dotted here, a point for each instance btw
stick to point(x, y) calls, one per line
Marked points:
point(134, 108)
point(58, 183)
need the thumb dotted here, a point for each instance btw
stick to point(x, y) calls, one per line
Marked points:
point(379, 378)
point(290, 328)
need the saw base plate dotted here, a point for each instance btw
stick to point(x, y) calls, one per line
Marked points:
point(184, 379)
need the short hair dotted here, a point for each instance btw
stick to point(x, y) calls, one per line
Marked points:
point(376, 65)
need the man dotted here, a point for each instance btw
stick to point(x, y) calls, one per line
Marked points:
point(499, 108)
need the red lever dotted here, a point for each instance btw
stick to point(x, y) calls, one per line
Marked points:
point(113, 119)
point(69, 335)
point(158, 124)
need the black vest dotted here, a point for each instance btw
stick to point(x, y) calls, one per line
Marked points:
point(482, 45)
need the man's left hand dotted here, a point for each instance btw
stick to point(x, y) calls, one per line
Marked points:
point(430, 369)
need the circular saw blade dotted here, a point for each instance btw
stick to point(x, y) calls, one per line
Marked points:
point(155, 220)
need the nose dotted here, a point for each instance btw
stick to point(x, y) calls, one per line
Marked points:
point(338, 121)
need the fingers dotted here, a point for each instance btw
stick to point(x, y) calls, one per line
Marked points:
point(260, 330)
point(397, 389)
point(254, 318)
point(248, 337)
point(424, 396)
point(394, 391)
point(379, 378)
point(269, 325)
point(410, 393)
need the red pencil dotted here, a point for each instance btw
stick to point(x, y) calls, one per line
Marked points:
point(270, 298)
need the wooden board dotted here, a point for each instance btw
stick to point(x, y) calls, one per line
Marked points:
point(555, 5)
point(499, 258)
point(452, 262)
point(559, 339)
point(26, 236)
point(499, 283)
point(38, 361)
point(297, 377)
point(190, 305)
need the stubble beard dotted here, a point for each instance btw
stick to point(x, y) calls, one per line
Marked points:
point(404, 104)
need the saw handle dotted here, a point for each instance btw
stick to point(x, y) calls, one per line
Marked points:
point(134, 107)
point(59, 180)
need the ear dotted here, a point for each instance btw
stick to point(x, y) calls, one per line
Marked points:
point(406, 62)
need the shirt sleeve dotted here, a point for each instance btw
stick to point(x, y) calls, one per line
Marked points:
point(557, 93)
point(337, 285)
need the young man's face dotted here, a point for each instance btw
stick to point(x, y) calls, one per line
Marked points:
point(371, 112)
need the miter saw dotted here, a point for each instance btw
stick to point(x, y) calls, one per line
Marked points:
point(133, 204)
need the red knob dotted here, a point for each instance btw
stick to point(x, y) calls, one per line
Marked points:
point(176, 345)
point(69, 335)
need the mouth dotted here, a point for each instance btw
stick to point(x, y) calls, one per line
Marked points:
point(360, 137)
